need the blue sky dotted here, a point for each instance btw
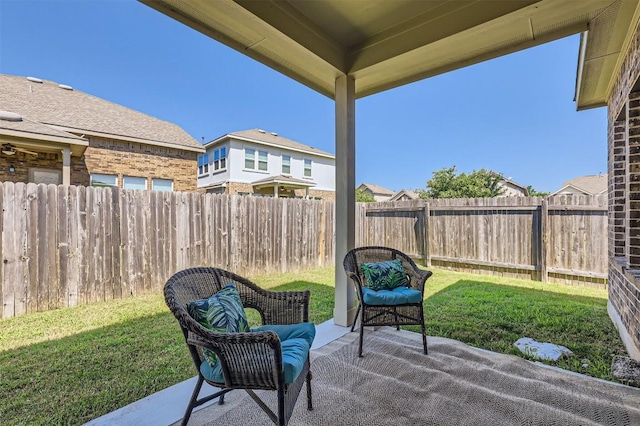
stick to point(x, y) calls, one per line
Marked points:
point(514, 115)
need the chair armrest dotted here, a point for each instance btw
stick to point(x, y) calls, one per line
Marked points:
point(248, 360)
point(356, 280)
point(280, 307)
point(418, 278)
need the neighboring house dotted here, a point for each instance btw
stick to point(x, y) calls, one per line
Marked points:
point(52, 133)
point(264, 163)
point(404, 195)
point(378, 192)
point(585, 185)
point(512, 189)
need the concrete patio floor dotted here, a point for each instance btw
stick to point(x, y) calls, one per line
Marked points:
point(167, 406)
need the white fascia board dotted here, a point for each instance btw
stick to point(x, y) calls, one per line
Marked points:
point(259, 142)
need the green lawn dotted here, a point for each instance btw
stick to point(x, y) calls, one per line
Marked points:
point(71, 365)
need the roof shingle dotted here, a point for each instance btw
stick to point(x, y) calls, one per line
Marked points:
point(72, 110)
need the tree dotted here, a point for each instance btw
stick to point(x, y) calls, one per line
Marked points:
point(363, 196)
point(533, 193)
point(446, 183)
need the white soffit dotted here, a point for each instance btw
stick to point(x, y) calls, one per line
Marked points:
point(386, 44)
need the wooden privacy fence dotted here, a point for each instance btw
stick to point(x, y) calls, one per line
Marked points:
point(65, 245)
point(560, 239)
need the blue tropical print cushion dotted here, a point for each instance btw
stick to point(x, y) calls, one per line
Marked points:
point(223, 312)
point(384, 275)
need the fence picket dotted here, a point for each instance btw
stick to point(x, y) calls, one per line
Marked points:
point(65, 246)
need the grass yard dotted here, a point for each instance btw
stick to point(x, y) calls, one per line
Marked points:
point(71, 365)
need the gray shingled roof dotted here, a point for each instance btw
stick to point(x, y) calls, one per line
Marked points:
point(377, 189)
point(30, 129)
point(590, 184)
point(260, 135)
point(73, 110)
point(411, 194)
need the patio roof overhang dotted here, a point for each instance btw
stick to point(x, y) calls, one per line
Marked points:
point(351, 49)
point(286, 182)
point(386, 44)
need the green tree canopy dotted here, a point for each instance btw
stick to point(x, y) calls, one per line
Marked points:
point(533, 193)
point(363, 196)
point(446, 183)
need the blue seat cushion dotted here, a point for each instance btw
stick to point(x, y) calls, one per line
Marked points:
point(295, 340)
point(396, 296)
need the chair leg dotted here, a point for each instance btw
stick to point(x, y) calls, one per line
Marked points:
point(361, 333)
point(193, 400)
point(356, 318)
point(309, 399)
point(281, 418)
point(424, 332)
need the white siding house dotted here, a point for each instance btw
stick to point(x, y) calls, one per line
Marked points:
point(265, 164)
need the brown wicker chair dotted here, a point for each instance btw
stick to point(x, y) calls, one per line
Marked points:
point(379, 315)
point(251, 360)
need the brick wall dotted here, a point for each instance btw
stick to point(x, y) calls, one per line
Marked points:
point(617, 187)
point(23, 162)
point(109, 156)
point(624, 198)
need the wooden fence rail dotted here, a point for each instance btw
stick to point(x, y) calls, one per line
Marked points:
point(65, 245)
point(561, 238)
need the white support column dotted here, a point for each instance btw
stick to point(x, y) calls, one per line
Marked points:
point(66, 166)
point(344, 310)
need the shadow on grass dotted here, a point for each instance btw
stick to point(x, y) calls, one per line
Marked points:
point(77, 378)
point(493, 316)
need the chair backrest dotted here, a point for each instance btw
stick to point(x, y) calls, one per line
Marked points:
point(202, 282)
point(371, 254)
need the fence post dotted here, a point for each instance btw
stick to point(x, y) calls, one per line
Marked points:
point(544, 240)
point(427, 254)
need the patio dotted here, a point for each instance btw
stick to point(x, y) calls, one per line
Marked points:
point(456, 384)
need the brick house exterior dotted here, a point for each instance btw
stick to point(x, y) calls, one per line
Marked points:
point(624, 196)
point(84, 140)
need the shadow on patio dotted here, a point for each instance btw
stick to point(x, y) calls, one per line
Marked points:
point(394, 383)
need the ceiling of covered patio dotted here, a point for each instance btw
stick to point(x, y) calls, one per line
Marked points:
point(385, 44)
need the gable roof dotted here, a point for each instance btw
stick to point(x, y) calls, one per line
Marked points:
point(590, 184)
point(409, 193)
point(270, 138)
point(509, 182)
point(376, 189)
point(69, 110)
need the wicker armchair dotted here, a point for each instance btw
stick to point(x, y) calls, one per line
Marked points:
point(377, 314)
point(250, 360)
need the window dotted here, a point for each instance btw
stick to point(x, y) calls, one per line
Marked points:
point(134, 182)
point(203, 164)
point(47, 176)
point(307, 168)
point(286, 164)
point(262, 160)
point(249, 158)
point(103, 180)
point(162, 184)
point(220, 159)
